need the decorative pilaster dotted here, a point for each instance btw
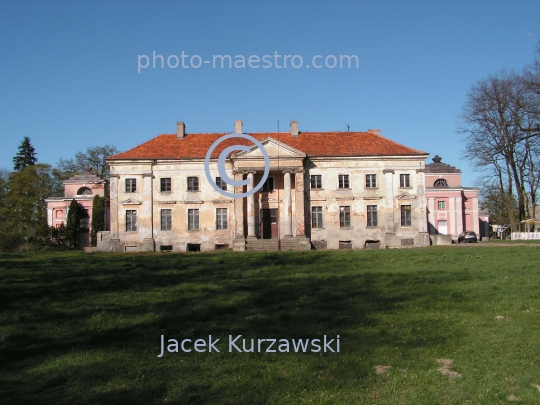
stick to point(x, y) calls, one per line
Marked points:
point(147, 228)
point(115, 238)
point(288, 204)
point(389, 192)
point(459, 215)
point(422, 223)
point(251, 207)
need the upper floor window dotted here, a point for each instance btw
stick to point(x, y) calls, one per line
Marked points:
point(316, 217)
point(84, 191)
point(268, 184)
point(316, 181)
point(165, 184)
point(221, 183)
point(442, 205)
point(371, 180)
point(193, 184)
point(405, 215)
point(131, 220)
point(131, 185)
point(440, 183)
point(343, 181)
point(405, 180)
point(344, 217)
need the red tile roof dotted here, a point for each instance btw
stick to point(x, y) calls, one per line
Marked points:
point(168, 146)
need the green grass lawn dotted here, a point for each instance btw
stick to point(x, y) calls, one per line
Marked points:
point(85, 329)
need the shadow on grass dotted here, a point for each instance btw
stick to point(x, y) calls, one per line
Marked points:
point(86, 329)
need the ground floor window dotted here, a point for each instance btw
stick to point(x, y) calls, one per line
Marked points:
point(221, 218)
point(131, 220)
point(193, 219)
point(166, 220)
point(405, 215)
point(345, 217)
point(316, 217)
point(371, 215)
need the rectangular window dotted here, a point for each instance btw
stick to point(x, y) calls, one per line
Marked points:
point(221, 183)
point(343, 181)
point(165, 184)
point(193, 184)
point(344, 217)
point(316, 217)
point(371, 215)
point(371, 180)
point(404, 180)
point(131, 220)
point(221, 218)
point(268, 184)
point(166, 220)
point(442, 205)
point(193, 219)
point(316, 181)
point(405, 215)
point(131, 185)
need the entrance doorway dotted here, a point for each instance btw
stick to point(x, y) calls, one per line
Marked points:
point(269, 223)
point(443, 228)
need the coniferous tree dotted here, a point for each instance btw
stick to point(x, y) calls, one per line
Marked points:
point(73, 224)
point(26, 155)
point(98, 218)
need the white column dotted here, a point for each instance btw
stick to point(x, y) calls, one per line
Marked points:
point(422, 224)
point(288, 204)
point(453, 223)
point(459, 215)
point(250, 207)
point(299, 203)
point(50, 216)
point(431, 215)
point(114, 206)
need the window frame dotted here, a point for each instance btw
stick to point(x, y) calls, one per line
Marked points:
point(194, 223)
point(221, 184)
point(193, 184)
point(222, 218)
point(372, 216)
point(404, 180)
point(406, 215)
point(167, 224)
point(317, 217)
point(130, 185)
point(266, 185)
point(441, 205)
point(371, 180)
point(344, 180)
point(317, 179)
point(131, 220)
point(345, 216)
point(165, 185)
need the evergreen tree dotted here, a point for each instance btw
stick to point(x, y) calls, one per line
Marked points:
point(73, 224)
point(26, 155)
point(98, 218)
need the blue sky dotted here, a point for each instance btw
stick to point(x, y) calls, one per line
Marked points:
point(69, 80)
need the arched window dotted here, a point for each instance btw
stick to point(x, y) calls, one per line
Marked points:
point(440, 183)
point(84, 191)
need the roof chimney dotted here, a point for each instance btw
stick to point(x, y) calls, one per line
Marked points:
point(374, 131)
point(294, 128)
point(238, 126)
point(180, 130)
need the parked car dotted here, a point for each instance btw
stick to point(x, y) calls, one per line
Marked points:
point(467, 236)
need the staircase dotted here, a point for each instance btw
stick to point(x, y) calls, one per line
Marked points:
point(259, 245)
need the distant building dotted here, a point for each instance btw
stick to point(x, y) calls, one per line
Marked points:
point(81, 187)
point(451, 207)
point(327, 190)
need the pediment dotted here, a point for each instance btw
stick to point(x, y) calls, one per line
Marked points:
point(406, 196)
point(131, 201)
point(274, 148)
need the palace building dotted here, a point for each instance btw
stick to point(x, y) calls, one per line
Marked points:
point(325, 190)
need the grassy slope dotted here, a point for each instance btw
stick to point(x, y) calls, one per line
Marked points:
point(85, 329)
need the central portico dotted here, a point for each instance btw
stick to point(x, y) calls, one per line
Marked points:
point(277, 210)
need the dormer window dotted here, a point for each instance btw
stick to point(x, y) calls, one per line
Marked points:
point(440, 183)
point(84, 191)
